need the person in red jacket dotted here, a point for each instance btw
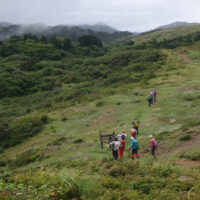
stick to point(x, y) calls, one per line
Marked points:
point(122, 146)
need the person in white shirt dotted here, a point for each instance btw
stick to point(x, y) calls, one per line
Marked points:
point(115, 144)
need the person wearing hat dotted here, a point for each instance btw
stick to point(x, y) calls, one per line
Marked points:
point(153, 145)
point(122, 146)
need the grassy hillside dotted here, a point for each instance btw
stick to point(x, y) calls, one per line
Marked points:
point(163, 34)
point(63, 159)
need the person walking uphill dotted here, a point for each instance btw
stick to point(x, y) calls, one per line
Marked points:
point(122, 146)
point(134, 147)
point(114, 145)
point(136, 124)
point(149, 99)
point(154, 95)
point(133, 132)
point(153, 145)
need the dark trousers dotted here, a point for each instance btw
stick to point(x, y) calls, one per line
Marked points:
point(136, 128)
point(115, 154)
point(149, 103)
point(153, 151)
point(134, 151)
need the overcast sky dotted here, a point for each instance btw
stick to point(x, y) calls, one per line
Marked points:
point(132, 15)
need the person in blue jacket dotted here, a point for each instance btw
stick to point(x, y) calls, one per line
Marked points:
point(134, 147)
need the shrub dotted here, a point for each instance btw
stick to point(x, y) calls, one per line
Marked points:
point(100, 103)
point(195, 156)
point(44, 119)
point(79, 140)
point(2, 163)
point(24, 158)
point(189, 96)
point(64, 119)
point(58, 141)
point(23, 129)
point(185, 137)
point(117, 171)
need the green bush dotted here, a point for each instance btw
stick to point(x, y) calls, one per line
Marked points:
point(20, 130)
point(44, 119)
point(64, 119)
point(195, 156)
point(79, 140)
point(25, 158)
point(58, 141)
point(185, 137)
point(100, 103)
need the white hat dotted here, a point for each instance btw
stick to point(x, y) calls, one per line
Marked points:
point(150, 136)
point(132, 138)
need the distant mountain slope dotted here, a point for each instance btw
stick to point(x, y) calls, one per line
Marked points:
point(5, 24)
point(105, 33)
point(175, 24)
point(164, 34)
point(99, 27)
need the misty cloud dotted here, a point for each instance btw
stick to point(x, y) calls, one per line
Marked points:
point(132, 15)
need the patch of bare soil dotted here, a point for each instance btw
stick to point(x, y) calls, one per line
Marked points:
point(188, 163)
point(106, 116)
point(185, 58)
point(164, 150)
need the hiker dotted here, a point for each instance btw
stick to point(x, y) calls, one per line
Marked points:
point(154, 95)
point(121, 134)
point(115, 147)
point(136, 124)
point(153, 145)
point(151, 94)
point(133, 132)
point(149, 99)
point(134, 147)
point(122, 146)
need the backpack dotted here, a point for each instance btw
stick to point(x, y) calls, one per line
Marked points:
point(154, 143)
point(149, 98)
point(136, 123)
point(134, 144)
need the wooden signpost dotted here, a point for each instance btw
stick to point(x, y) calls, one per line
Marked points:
point(106, 138)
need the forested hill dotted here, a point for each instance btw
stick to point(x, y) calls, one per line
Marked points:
point(104, 32)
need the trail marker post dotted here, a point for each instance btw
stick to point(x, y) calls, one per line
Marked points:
point(106, 138)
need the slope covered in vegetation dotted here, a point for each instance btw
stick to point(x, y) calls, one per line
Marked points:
point(50, 135)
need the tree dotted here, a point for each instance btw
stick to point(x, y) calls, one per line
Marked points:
point(66, 44)
point(89, 40)
point(131, 42)
point(43, 39)
point(56, 43)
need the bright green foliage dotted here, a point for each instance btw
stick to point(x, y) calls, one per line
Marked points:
point(98, 90)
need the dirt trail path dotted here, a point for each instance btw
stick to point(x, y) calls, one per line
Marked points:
point(183, 148)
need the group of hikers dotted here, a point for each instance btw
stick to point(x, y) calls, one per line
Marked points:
point(151, 98)
point(118, 143)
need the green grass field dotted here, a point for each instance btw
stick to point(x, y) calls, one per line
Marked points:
point(65, 160)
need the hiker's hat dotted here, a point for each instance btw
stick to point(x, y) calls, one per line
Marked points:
point(150, 136)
